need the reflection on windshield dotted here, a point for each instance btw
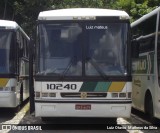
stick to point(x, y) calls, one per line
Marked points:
point(5, 41)
point(103, 46)
point(107, 50)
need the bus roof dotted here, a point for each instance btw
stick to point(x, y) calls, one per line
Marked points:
point(70, 14)
point(143, 18)
point(8, 24)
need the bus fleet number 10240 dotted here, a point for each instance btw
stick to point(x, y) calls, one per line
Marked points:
point(61, 86)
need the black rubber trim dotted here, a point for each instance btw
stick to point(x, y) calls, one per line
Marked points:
point(91, 102)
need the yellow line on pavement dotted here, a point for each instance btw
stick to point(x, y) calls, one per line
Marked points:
point(123, 122)
point(17, 119)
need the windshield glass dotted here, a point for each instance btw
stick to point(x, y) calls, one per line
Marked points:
point(7, 63)
point(60, 50)
point(100, 49)
point(106, 52)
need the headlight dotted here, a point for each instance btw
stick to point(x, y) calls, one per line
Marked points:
point(44, 95)
point(129, 94)
point(8, 88)
point(37, 94)
point(114, 95)
point(122, 94)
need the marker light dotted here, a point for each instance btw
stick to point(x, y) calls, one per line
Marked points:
point(123, 17)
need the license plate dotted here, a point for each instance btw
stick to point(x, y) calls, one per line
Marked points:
point(82, 107)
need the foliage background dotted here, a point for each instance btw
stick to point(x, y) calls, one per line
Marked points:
point(25, 12)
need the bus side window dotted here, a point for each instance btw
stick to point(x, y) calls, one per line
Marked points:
point(21, 45)
point(135, 49)
point(25, 47)
point(158, 53)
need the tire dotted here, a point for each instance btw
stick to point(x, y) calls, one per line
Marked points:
point(151, 115)
point(112, 121)
point(149, 109)
point(16, 109)
point(44, 119)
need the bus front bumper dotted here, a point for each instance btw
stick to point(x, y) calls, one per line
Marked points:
point(108, 110)
point(7, 99)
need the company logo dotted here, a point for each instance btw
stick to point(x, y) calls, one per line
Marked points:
point(6, 127)
point(83, 95)
point(144, 65)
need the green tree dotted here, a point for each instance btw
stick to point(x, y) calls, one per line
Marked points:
point(136, 8)
point(80, 4)
point(25, 12)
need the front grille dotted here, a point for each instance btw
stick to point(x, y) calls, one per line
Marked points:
point(80, 94)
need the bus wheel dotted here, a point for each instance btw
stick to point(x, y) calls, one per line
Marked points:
point(44, 119)
point(16, 109)
point(149, 108)
point(111, 121)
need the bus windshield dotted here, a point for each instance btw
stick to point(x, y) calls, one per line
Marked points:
point(69, 49)
point(7, 64)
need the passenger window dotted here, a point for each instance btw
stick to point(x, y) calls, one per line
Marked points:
point(158, 52)
point(144, 33)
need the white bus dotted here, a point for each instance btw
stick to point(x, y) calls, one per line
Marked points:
point(83, 64)
point(14, 63)
point(146, 68)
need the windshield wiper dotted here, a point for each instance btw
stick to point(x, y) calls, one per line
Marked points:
point(101, 73)
point(67, 68)
point(50, 72)
point(97, 68)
